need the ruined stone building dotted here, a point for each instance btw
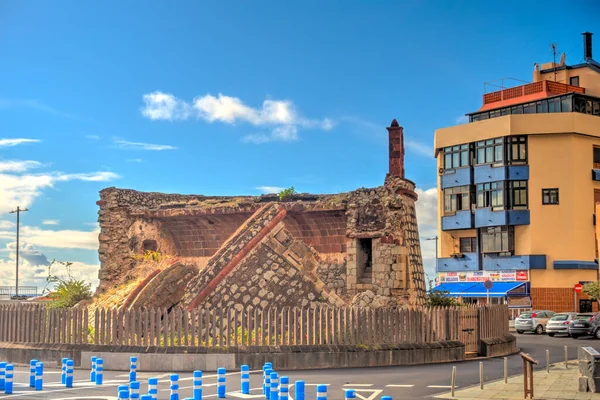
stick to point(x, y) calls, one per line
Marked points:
point(357, 248)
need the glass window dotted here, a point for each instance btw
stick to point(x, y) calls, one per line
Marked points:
point(457, 199)
point(550, 196)
point(490, 195)
point(565, 104)
point(517, 109)
point(505, 111)
point(517, 149)
point(542, 106)
point(554, 105)
point(596, 110)
point(495, 113)
point(596, 157)
point(574, 81)
point(490, 151)
point(498, 239)
point(579, 104)
point(529, 108)
point(456, 156)
point(517, 195)
point(468, 245)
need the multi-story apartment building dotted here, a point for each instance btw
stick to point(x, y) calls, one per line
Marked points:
point(517, 187)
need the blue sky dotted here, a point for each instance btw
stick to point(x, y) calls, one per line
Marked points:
point(234, 97)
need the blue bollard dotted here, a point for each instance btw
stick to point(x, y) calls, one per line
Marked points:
point(63, 371)
point(122, 388)
point(265, 368)
point(284, 388)
point(274, 386)
point(350, 394)
point(39, 376)
point(245, 379)
point(132, 369)
point(197, 385)
point(2, 375)
point(268, 383)
point(93, 371)
point(386, 397)
point(221, 388)
point(32, 373)
point(99, 371)
point(123, 394)
point(174, 387)
point(69, 377)
point(299, 390)
point(153, 388)
point(134, 390)
point(8, 384)
point(322, 392)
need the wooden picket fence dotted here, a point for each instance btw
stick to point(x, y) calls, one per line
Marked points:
point(251, 326)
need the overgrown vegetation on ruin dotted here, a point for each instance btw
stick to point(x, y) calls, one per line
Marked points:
point(285, 193)
point(67, 292)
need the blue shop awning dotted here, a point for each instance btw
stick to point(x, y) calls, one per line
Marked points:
point(499, 289)
point(476, 289)
point(454, 289)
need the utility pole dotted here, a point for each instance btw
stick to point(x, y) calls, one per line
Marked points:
point(18, 211)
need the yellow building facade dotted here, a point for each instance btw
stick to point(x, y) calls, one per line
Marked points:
point(517, 190)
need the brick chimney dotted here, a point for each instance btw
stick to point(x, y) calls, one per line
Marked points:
point(396, 140)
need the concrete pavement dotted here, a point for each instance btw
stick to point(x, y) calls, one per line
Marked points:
point(409, 382)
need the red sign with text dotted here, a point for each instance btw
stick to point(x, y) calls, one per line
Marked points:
point(578, 288)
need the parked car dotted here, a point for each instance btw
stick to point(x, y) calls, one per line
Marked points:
point(559, 323)
point(533, 321)
point(584, 325)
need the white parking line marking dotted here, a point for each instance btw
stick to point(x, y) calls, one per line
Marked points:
point(359, 384)
point(441, 386)
point(372, 396)
point(400, 386)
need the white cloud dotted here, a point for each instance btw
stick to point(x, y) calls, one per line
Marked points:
point(463, 119)
point(18, 166)
point(124, 144)
point(22, 190)
point(427, 217)
point(33, 268)
point(419, 148)
point(7, 224)
point(270, 189)
point(231, 110)
point(16, 141)
point(135, 160)
point(50, 222)
point(284, 133)
point(92, 137)
point(60, 239)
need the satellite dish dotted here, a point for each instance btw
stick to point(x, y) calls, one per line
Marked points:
point(563, 59)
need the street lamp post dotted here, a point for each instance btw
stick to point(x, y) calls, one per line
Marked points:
point(18, 211)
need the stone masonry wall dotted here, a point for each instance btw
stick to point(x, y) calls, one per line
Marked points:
point(356, 247)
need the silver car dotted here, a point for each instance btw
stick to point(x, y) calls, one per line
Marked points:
point(533, 321)
point(559, 323)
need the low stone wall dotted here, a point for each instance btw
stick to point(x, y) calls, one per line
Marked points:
point(498, 346)
point(179, 359)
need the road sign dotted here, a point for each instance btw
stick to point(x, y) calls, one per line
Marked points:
point(578, 288)
point(487, 284)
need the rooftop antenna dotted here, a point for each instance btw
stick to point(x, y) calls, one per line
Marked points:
point(553, 48)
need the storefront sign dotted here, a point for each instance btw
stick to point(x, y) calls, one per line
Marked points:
point(482, 276)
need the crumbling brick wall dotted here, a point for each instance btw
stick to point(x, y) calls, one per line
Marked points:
point(365, 241)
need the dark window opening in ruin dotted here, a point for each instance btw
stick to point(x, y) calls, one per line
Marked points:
point(364, 260)
point(150, 245)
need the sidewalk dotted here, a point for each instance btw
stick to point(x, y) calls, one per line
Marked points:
point(560, 383)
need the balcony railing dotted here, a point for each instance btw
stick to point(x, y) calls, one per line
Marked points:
point(550, 87)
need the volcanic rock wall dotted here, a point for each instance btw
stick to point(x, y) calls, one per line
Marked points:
point(360, 247)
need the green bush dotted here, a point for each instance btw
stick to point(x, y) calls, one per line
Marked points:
point(67, 292)
point(286, 193)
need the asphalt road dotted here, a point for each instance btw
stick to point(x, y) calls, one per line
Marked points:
point(411, 382)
